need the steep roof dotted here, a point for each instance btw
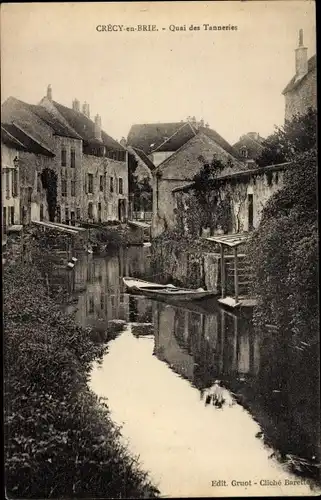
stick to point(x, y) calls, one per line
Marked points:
point(85, 128)
point(254, 147)
point(294, 83)
point(58, 127)
point(9, 139)
point(21, 114)
point(145, 159)
point(22, 139)
point(173, 143)
point(149, 136)
point(35, 120)
point(212, 134)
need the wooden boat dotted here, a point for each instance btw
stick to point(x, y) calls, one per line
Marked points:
point(158, 291)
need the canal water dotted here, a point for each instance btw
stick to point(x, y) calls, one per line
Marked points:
point(159, 377)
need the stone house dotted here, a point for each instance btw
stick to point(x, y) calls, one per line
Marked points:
point(179, 168)
point(65, 149)
point(91, 168)
point(34, 158)
point(141, 193)
point(249, 147)
point(11, 148)
point(247, 192)
point(300, 92)
point(104, 165)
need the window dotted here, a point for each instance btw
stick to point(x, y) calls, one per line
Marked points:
point(91, 304)
point(73, 188)
point(244, 152)
point(99, 212)
point(67, 216)
point(41, 211)
point(12, 216)
point(90, 183)
point(63, 157)
point(72, 158)
point(120, 185)
point(111, 184)
point(15, 183)
point(72, 218)
point(78, 213)
point(250, 210)
point(8, 184)
point(101, 183)
point(90, 210)
point(39, 183)
point(58, 214)
point(63, 188)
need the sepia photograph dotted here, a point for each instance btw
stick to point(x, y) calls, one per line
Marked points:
point(160, 249)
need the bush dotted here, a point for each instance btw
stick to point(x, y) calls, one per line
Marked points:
point(59, 438)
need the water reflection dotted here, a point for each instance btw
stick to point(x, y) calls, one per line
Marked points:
point(166, 364)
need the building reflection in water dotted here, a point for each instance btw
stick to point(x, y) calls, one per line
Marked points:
point(203, 347)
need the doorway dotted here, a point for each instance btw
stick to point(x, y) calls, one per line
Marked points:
point(121, 210)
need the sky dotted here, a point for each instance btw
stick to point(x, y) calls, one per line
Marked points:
point(233, 79)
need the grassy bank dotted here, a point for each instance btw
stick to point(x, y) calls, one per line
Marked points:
point(60, 441)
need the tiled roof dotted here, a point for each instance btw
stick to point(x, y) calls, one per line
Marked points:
point(294, 83)
point(35, 121)
point(9, 139)
point(58, 127)
point(212, 134)
point(150, 136)
point(180, 137)
point(85, 128)
point(145, 159)
point(23, 138)
point(253, 147)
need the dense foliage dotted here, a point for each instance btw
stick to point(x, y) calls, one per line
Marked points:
point(49, 183)
point(60, 441)
point(204, 206)
point(284, 255)
point(296, 136)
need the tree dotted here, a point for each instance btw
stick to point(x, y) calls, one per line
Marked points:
point(296, 136)
point(208, 193)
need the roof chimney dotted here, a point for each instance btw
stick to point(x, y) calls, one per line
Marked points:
point(301, 58)
point(76, 105)
point(98, 128)
point(49, 92)
point(85, 109)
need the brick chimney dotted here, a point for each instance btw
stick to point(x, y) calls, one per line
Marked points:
point(301, 58)
point(98, 128)
point(76, 105)
point(49, 92)
point(85, 109)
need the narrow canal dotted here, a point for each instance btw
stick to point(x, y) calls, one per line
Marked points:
point(157, 377)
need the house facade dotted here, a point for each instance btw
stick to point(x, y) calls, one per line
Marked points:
point(10, 191)
point(301, 92)
point(178, 170)
point(89, 167)
point(249, 147)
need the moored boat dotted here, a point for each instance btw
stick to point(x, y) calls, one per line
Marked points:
point(158, 291)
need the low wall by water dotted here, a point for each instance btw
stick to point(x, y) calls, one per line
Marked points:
point(188, 266)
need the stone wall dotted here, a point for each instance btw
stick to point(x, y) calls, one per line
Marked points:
point(259, 186)
point(302, 97)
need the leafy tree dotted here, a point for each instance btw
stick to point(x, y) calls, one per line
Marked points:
point(296, 136)
point(49, 183)
point(208, 194)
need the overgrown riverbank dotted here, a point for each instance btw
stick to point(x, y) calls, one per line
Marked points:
point(60, 441)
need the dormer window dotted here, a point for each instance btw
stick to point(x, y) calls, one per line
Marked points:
point(244, 152)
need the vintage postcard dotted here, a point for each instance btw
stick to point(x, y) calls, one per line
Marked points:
point(160, 249)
